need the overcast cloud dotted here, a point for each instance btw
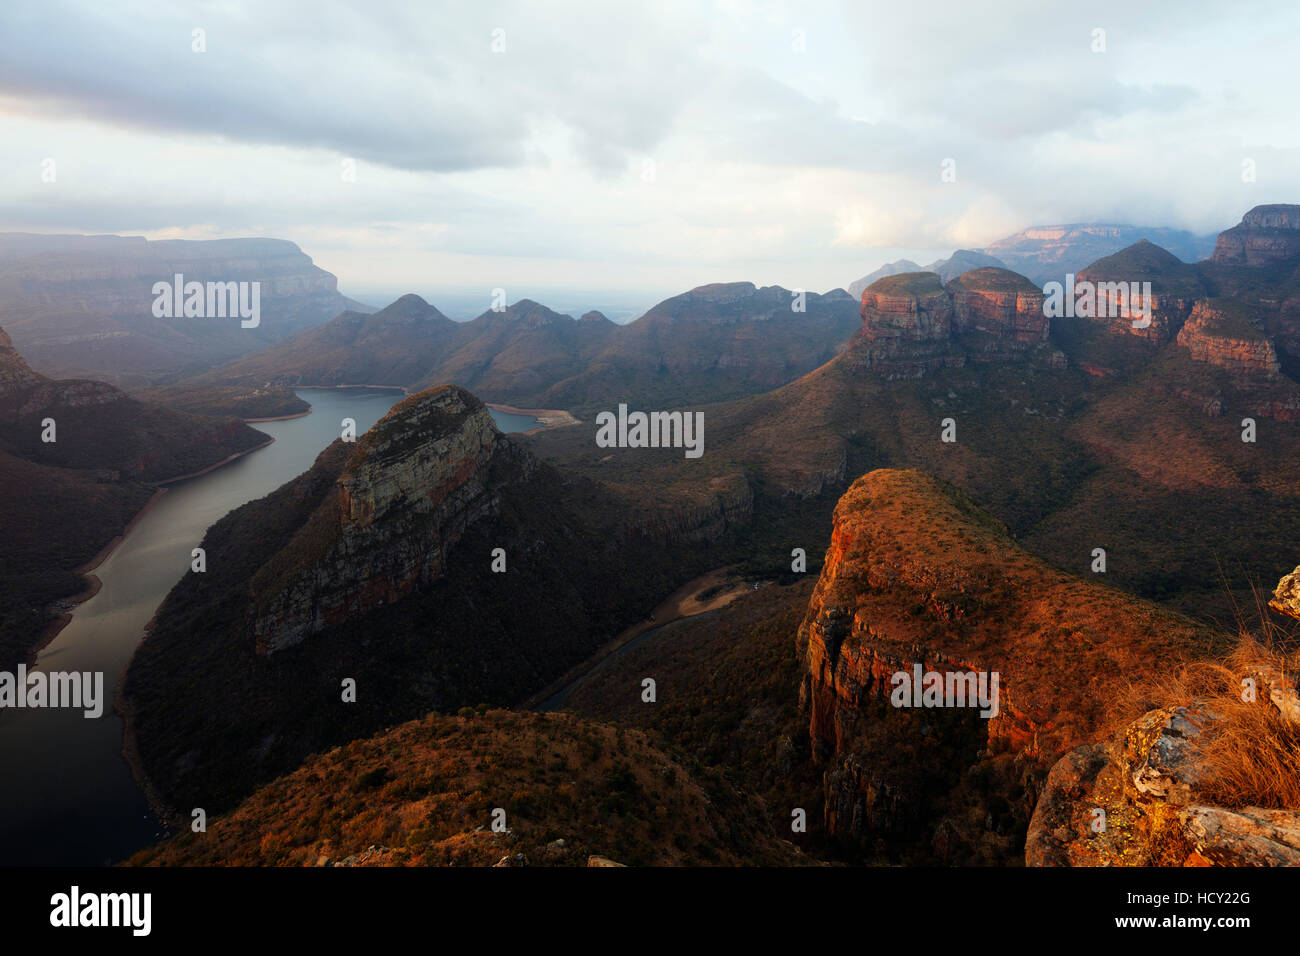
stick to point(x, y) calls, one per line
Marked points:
point(649, 146)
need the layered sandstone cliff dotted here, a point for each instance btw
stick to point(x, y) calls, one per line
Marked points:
point(1143, 291)
point(413, 485)
point(1222, 333)
point(1265, 235)
point(916, 574)
point(912, 324)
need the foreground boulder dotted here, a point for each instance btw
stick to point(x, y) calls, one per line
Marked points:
point(1155, 794)
point(1139, 800)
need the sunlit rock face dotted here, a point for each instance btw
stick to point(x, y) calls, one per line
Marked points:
point(1265, 235)
point(916, 575)
point(913, 325)
point(415, 482)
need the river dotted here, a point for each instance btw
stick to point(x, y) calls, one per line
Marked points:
point(67, 798)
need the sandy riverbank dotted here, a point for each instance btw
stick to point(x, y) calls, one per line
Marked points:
point(549, 417)
point(225, 461)
point(280, 418)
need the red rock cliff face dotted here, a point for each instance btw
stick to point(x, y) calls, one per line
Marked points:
point(1265, 235)
point(912, 325)
point(1017, 316)
point(1217, 333)
point(917, 574)
point(1122, 310)
point(417, 480)
point(906, 324)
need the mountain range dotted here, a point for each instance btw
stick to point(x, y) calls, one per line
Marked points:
point(82, 306)
point(711, 343)
point(953, 461)
point(1047, 253)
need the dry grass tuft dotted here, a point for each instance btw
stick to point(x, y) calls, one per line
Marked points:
point(1253, 751)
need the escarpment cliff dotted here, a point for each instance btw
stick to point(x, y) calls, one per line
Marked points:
point(913, 325)
point(1265, 235)
point(1142, 291)
point(1222, 333)
point(83, 305)
point(917, 575)
point(434, 565)
point(415, 482)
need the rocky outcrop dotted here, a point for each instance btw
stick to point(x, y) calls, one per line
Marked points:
point(416, 481)
point(912, 324)
point(999, 303)
point(15, 373)
point(25, 393)
point(916, 576)
point(1265, 235)
point(1152, 794)
point(1138, 800)
point(1139, 282)
point(906, 327)
point(1222, 333)
point(1286, 596)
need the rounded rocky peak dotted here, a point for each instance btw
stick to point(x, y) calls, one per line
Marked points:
point(449, 396)
point(993, 279)
point(1273, 216)
point(419, 419)
point(533, 314)
point(595, 315)
point(724, 291)
point(1144, 261)
point(916, 284)
point(408, 306)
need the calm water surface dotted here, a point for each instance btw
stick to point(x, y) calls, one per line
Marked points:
point(66, 795)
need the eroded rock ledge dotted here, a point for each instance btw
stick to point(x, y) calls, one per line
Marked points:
point(1146, 796)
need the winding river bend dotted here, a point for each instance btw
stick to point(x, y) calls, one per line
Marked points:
point(67, 798)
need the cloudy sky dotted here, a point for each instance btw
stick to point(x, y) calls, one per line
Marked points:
point(648, 147)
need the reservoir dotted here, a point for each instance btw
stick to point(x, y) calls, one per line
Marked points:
point(67, 798)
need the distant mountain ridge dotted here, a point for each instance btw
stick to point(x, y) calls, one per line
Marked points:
point(963, 260)
point(1046, 253)
point(714, 342)
point(82, 305)
point(1052, 418)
